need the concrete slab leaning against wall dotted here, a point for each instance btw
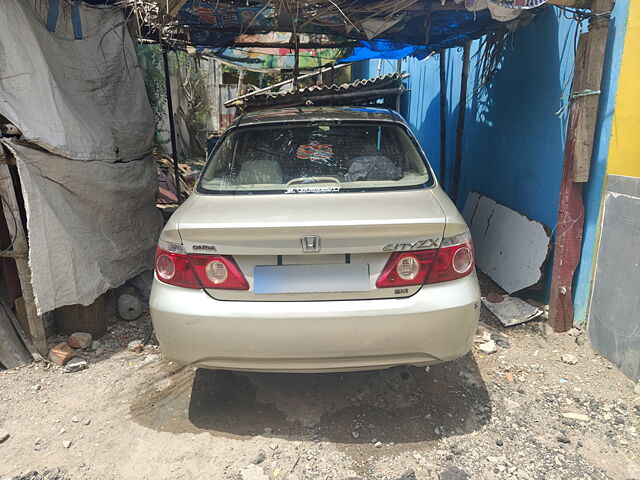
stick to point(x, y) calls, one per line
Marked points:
point(614, 316)
point(509, 247)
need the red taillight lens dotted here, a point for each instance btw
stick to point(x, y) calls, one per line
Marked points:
point(406, 268)
point(175, 269)
point(165, 267)
point(453, 260)
point(199, 271)
point(218, 271)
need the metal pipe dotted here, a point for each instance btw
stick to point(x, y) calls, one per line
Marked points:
point(172, 127)
point(399, 71)
point(443, 120)
point(461, 113)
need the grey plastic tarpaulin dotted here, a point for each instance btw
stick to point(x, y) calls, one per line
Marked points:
point(70, 81)
point(92, 225)
point(81, 98)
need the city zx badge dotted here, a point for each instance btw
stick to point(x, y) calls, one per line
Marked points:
point(417, 245)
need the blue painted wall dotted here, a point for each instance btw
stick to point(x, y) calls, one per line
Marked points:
point(514, 139)
point(514, 142)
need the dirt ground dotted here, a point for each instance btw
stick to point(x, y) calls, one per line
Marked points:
point(138, 416)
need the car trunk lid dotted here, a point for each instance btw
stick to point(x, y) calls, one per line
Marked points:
point(333, 229)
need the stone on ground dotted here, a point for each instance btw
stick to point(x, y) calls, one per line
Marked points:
point(569, 359)
point(488, 347)
point(61, 354)
point(80, 340)
point(129, 307)
point(576, 416)
point(75, 365)
point(135, 346)
point(253, 472)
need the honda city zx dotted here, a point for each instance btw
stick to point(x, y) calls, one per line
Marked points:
point(317, 239)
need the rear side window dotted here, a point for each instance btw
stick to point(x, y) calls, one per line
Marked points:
point(314, 158)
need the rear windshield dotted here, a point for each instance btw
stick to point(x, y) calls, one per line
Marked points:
point(314, 158)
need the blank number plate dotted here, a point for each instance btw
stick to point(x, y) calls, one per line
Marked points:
point(343, 277)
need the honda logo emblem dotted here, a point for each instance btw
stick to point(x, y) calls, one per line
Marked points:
point(310, 243)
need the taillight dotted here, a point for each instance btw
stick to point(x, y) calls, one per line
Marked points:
point(175, 267)
point(453, 260)
point(218, 271)
point(406, 268)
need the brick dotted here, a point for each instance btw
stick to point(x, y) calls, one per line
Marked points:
point(80, 340)
point(61, 353)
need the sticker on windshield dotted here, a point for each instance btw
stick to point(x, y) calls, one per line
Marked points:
point(315, 151)
point(313, 189)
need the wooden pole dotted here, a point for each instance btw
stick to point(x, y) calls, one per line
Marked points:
point(583, 111)
point(462, 106)
point(587, 93)
point(296, 61)
point(443, 119)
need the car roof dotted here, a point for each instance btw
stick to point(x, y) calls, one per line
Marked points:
point(316, 114)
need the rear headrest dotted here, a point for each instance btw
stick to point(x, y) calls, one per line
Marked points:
point(259, 171)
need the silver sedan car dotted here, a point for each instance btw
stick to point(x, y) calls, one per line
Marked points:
point(317, 240)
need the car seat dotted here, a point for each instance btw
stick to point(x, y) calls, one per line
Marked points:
point(259, 171)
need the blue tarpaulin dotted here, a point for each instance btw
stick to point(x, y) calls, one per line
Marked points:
point(220, 25)
point(234, 32)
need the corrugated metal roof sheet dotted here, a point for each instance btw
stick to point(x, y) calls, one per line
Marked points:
point(358, 92)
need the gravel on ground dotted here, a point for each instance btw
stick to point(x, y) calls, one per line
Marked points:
point(522, 412)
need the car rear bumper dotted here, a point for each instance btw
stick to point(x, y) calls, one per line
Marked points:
point(436, 324)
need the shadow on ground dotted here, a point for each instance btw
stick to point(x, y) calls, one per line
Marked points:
point(344, 408)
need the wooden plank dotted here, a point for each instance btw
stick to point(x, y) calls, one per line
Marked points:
point(18, 326)
point(568, 238)
point(21, 314)
point(21, 248)
point(570, 215)
point(591, 66)
point(12, 352)
point(8, 271)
